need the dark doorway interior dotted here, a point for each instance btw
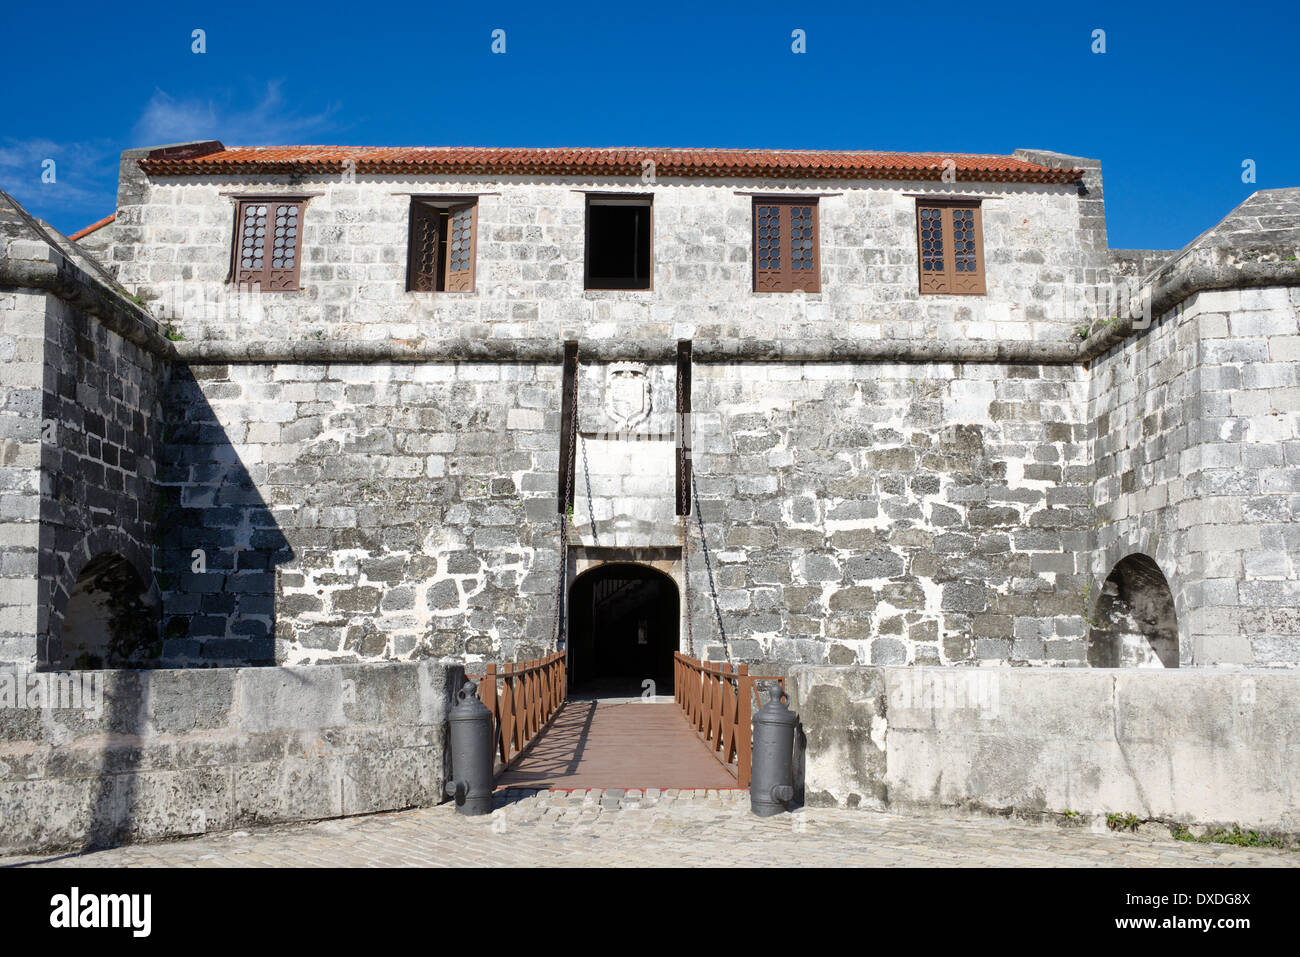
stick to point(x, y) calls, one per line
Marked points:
point(623, 629)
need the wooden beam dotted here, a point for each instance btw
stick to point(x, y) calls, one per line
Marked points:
point(568, 412)
point(684, 427)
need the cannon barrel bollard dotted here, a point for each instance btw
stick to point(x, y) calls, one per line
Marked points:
point(769, 787)
point(472, 752)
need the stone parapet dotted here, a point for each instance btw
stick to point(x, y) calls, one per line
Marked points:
point(157, 754)
point(1187, 747)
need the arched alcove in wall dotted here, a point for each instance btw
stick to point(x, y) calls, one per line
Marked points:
point(111, 620)
point(1134, 624)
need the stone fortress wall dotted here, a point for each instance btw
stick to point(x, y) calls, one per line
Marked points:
point(1196, 418)
point(886, 482)
point(884, 478)
point(888, 513)
point(854, 511)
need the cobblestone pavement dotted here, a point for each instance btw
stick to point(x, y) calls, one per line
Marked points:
point(616, 828)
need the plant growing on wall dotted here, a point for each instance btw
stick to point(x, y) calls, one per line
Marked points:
point(1087, 604)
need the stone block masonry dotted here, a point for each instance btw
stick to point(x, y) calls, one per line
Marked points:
point(350, 512)
point(22, 336)
point(1193, 452)
point(100, 402)
point(895, 514)
point(354, 475)
point(879, 514)
point(1045, 255)
point(77, 452)
point(175, 753)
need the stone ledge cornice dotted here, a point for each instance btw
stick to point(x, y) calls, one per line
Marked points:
point(649, 350)
point(1205, 270)
point(73, 285)
point(1170, 285)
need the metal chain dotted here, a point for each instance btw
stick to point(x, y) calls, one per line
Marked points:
point(591, 506)
point(686, 579)
point(708, 566)
point(559, 587)
point(564, 521)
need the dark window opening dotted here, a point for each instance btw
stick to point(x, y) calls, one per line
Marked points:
point(618, 244)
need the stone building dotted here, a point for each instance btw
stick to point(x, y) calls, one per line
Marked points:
point(308, 405)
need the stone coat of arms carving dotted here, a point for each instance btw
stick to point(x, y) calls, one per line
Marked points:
point(627, 394)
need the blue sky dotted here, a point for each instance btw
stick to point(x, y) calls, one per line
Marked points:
point(1182, 96)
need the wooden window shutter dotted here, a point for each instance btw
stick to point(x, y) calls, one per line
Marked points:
point(769, 248)
point(967, 250)
point(950, 248)
point(423, 254)
point(268, 243)
point(932, 240)
point(459, 254)
point(786, 253)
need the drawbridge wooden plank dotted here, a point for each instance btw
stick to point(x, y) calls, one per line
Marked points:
point(625, 744)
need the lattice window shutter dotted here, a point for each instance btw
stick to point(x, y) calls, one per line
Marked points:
point(268, 244)
point(771, 255)
point(422, 267)
point(786, 255)
point(284, 242)
point(933, 241)
point(251, 218)
point(803, 261)
point(459, 254)
point(950, 248)
point(967, 250)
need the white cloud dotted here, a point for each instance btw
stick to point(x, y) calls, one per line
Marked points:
point(268, 122)
point(86, 172)
point(19, 154)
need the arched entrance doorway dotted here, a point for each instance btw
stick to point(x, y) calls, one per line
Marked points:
point(623, 630)
point(110, 621)
point(1134, 625)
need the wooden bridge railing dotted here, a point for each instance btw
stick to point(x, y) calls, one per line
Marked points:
point(522, 696)
point(718, 703)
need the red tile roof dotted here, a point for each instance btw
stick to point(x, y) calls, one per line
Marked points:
point(794, 164)
point(92, 227)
